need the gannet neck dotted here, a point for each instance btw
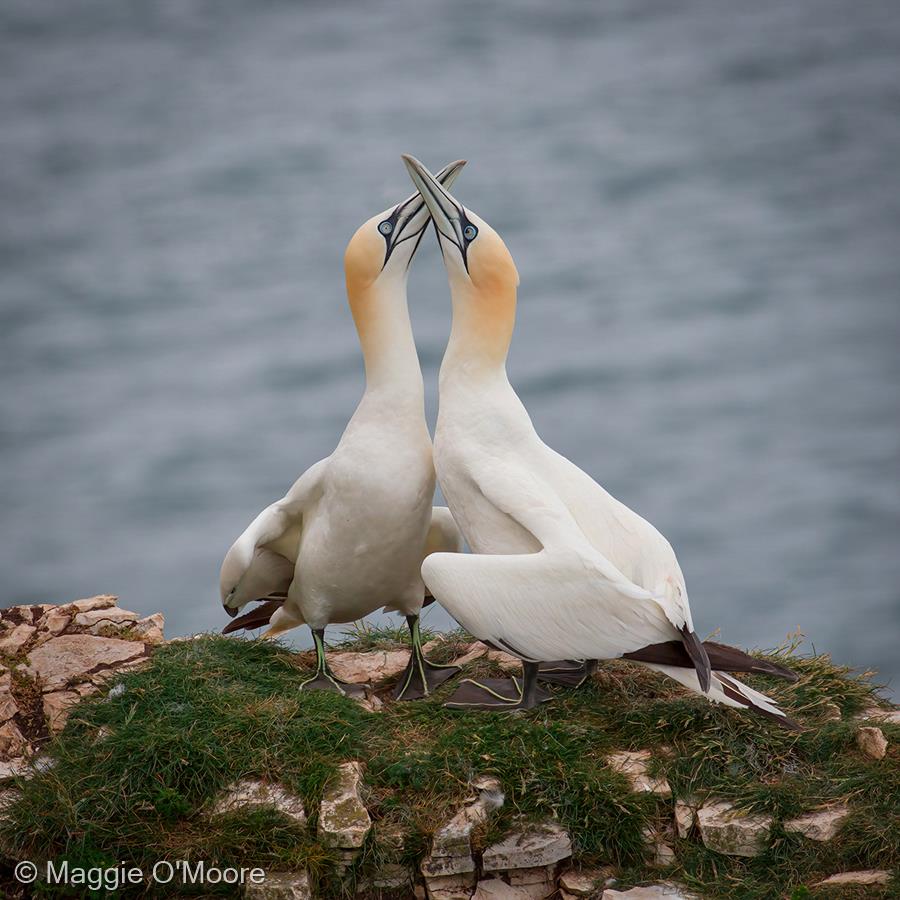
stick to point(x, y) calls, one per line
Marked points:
point(381, 316)
point(481, 331)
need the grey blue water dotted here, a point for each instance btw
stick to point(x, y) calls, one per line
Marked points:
point(702, 198)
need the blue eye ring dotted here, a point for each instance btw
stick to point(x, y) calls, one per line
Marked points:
point(470, 232)
point(386, 227)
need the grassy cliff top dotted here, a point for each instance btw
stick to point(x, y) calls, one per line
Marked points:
point(131, 777)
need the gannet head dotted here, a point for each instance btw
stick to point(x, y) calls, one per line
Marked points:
point(234, 567)
point(474, 254)
point(380, 251)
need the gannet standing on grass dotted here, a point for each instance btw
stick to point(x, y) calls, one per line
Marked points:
point(559, 568)
point(351, 533)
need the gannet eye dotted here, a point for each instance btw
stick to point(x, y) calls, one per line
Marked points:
point(469, 232)
point(386, 227)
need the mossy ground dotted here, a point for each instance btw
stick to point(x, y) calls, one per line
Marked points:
point(133, 772)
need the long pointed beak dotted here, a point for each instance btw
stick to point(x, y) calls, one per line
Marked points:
point(446, 212)
point(411, 217)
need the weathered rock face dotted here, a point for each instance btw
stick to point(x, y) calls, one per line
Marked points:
point(54, 655)
point(451, 847)
point(450, 887)
point(820, 824)
point(71, 657)
point(729, 830)
point(634, 765)
point(536, 882)
point(872, 742)
point(533, 847)
point(344, 821)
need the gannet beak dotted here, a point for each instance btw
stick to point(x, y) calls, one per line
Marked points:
point(229, 609)
point(410, 218)
point(448, 215)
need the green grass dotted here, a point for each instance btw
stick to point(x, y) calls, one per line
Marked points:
point(133, 772)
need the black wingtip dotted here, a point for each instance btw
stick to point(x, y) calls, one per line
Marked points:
point(698, 655)
point(731, 659)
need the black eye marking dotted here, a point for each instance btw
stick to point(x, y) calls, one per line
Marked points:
point(389, 230)
point(467, 231)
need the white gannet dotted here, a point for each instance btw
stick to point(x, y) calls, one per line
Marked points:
point(559, 568)
point(351, 533)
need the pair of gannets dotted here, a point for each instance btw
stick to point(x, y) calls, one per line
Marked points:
point(559, 568)
point(351, 533)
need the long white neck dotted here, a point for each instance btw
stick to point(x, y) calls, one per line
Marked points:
point(389, 350)
point(480, 336)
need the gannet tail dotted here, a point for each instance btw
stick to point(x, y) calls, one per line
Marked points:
point(728, 691)
point(722, 657)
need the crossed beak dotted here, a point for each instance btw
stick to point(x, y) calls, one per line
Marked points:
point(446, 212)
point(410, 218)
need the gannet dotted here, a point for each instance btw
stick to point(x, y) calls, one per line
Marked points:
point(559, 568)
point(351, 533)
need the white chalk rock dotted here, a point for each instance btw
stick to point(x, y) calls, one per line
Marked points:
point(451, 846)
point(538, 845)
point(537, 883)
point(820, 824)
point(250, 793)
point(450, 887)
point(343, 818)
point(733, 831)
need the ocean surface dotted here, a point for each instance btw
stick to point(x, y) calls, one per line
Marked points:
point(703, 201)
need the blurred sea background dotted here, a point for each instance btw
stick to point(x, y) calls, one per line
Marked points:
point(703, 201)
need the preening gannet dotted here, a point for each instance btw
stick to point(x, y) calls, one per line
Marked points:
point(351, 533)
point(559, 568)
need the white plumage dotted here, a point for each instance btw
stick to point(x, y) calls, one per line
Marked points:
point(351, 533)
point(559, 568)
